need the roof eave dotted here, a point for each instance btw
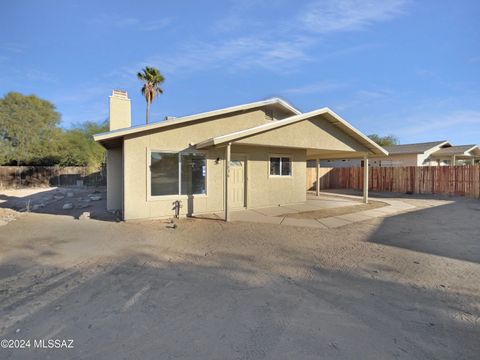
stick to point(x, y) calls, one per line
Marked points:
point(374, 149)
point(189, 118)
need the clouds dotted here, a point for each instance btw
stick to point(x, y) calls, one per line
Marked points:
point(316, 88)
point(119, 21)
point(329, 16)
point(250, 40)
point(431, 123)
point(236, 54)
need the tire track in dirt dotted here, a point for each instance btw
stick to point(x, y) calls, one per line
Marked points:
point(23, 303)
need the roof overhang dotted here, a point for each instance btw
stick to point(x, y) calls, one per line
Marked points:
point(395, 149)
point(107, 136)
point(462, 151)
point(326, 113)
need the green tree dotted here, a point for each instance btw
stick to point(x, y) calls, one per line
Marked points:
point(152, 79)
point(78, 147)
point(28, 129)
point(387, 140)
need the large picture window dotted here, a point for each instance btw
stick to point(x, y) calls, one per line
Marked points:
point(280, 166)
point(177, 173)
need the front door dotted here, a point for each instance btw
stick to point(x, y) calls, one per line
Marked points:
point(237, 182)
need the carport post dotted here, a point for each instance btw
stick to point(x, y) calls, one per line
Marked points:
point(227, 175)
point(365, 179)
point(317, 191)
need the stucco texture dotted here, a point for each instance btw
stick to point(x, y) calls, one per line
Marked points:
point(262, 190)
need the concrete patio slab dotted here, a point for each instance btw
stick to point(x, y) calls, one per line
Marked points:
point(253, 216)
point(388, 210)
point(276, 211)
point(303, 222)
point(303, 207)
point(276, 214)
point(333, 222)
point(355, 217)
point(374, 213)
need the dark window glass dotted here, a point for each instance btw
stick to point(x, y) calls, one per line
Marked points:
point(286, 166)
point(274, 166)
point(194, 172)
point(164, 174)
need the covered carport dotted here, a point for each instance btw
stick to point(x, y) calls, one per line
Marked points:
point(322, 134)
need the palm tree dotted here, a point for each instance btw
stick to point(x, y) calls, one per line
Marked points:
point(152, 79)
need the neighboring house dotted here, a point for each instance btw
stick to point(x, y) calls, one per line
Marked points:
point(247, 156)
point(457, 155)
point(435, 153)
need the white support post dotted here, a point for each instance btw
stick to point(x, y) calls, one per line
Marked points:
point(227, 176)
point(317, 188)
point(453, 160)
point(365, 179)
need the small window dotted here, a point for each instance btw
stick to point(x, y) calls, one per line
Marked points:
point(280, 166)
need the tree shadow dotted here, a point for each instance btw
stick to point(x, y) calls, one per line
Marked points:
point(449, 230)
point(156, 306)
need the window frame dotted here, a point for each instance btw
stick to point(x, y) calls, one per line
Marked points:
point(289, 156)
point(178, 196)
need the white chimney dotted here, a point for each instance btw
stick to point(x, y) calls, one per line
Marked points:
point(120, 110)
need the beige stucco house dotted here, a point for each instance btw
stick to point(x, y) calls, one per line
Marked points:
point(247, 156)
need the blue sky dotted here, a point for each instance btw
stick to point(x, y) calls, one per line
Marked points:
point(402, 67)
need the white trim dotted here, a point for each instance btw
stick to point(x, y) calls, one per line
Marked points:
point(289, 156)
point(190, 118)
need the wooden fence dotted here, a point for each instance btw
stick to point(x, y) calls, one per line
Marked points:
point(445, 180)
point(36, 176)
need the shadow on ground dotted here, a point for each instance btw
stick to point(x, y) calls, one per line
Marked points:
point(148, 308)
point(448, 230)
point(208, 291)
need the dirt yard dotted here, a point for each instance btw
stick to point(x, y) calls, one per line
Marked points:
point(401, 287)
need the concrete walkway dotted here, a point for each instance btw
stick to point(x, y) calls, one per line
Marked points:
point(273, 215)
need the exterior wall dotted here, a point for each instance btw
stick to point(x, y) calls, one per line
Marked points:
point(401, 160)
point(115, 179)
point(315, 133)
point(264, 190)
point(136, 151)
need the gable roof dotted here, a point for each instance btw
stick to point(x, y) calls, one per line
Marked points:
point(331, 117)
point(186, 119)
point(417, 148)
point(455, 150)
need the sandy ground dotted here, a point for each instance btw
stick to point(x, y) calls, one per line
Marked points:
point(90, 200)
point(403, 287)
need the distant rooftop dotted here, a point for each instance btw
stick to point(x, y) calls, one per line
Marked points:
point(454, 150)
point(417, 148)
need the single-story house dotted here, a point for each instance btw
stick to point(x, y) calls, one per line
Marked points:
point(457, 155)
point(434, 153)
point(247, 156)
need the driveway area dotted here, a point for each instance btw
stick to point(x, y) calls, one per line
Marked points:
point(405, 285)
